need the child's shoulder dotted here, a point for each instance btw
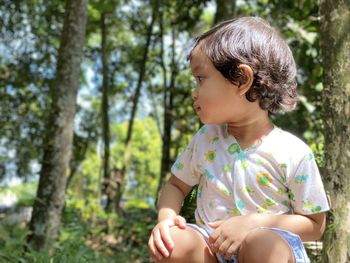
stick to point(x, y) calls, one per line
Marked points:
point(285, 143)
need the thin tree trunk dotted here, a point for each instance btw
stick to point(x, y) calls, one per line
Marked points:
point(76, 160)
point(155, 114)
point(120, 183)
point(107, 186)
point(224, 10)
point(335, 49)
point(168, 110)
point(48, 204)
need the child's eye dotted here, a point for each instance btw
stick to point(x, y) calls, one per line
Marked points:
point(199, 79)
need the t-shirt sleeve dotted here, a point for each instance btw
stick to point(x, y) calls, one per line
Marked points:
point(185, 167)
point(306, 188)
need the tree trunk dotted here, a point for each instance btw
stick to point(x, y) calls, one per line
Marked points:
point(224, 10)
point(120, 183)
point(80, 148)
point(48, 205)
point(335, 50)
point(107, 186)
point(168, 110)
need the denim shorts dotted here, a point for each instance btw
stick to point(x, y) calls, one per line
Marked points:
point(293, 240)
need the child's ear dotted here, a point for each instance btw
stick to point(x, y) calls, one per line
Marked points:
point(246, 80)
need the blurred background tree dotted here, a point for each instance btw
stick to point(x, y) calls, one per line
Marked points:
point(133, 115)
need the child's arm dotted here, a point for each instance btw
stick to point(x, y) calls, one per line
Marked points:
point(235, 229)
point(171, 198)
point(308, 227)
point(172, 195)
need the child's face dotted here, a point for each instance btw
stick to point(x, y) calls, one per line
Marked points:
point(216, 99)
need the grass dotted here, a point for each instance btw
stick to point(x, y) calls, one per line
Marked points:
point(110, 238)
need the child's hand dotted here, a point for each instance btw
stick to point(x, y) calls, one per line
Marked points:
point(229, 234)
point(160, 244)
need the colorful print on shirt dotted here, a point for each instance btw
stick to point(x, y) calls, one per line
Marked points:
point(277, 176)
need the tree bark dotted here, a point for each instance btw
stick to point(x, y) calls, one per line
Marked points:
point(335, 50)
point(48, 204)
point(224, 10)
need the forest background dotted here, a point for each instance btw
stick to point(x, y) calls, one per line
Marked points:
point(95, 106)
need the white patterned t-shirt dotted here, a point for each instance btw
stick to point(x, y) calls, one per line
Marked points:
point(278, 176)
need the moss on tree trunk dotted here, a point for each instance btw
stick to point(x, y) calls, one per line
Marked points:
point(335, 49)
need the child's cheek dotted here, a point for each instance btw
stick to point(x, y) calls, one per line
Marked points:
point(209, 108)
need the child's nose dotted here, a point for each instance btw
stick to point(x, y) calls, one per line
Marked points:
point(194, 94)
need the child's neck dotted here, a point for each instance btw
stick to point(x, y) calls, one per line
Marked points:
point(250, 132)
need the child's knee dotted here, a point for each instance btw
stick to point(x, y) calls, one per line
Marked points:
point(184, 240)
point(264, 245)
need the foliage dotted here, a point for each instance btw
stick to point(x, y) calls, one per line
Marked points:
point(71, 248)
point(143, 168)
point(24, 192)
point(110, 238)
point(189, 206)
point(27, 67)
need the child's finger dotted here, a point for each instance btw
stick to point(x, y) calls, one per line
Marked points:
point(155, 255)
point(213, 236)
point(180, 222)
point(224, 247)
point(159, 243)
point(165, 235)
point(230, 251)
point(216, 245)
point(158, 256)
point(215, 224)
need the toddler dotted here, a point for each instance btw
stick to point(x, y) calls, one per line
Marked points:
point(260, 194)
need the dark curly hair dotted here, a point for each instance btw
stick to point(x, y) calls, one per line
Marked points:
point(252, 41)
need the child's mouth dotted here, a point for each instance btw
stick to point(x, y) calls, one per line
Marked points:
point(196, 108)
